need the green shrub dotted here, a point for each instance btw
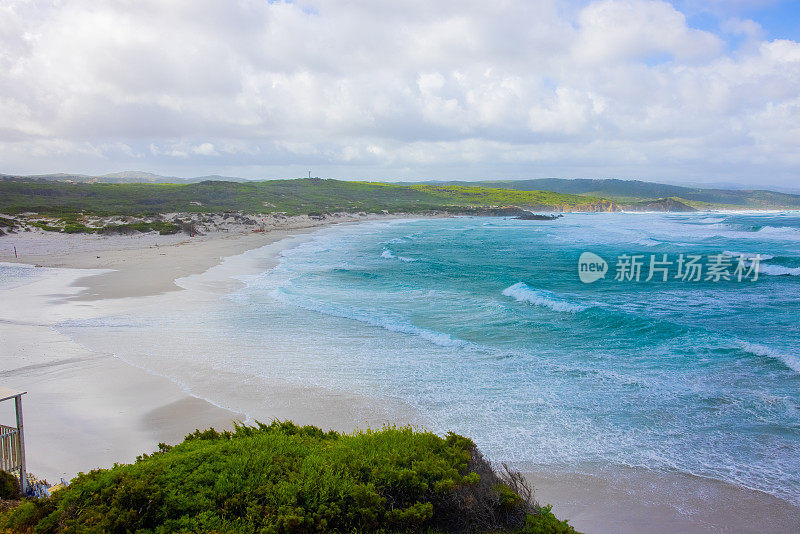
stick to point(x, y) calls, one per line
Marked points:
point(78, 228)
point(30, 514)
point(163, 228)
point(542, 521)
point(286, 478)
point(45, 227)
point(9, 486)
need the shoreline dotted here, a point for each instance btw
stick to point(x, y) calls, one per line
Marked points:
point(84, 409)
point(630, 500)
point(87, 408)
point(108, 410)
point(147, 264)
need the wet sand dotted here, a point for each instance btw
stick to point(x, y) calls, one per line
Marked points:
point(626, 500)
point(86, 409)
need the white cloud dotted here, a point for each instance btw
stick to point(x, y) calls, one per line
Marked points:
point(376, 89)
point(621, 30)
point(205, 149)
point(747, 27)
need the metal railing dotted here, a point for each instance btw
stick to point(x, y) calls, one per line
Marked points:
point(11, 458)
point(12, 440)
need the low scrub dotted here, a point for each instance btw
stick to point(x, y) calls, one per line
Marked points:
point(292, 197)
point(71, 226)
point(286, 478)
point(162, 227)
point(9, 486)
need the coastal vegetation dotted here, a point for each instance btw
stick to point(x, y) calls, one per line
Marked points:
point(483, 196)
point(9, 486)
point(631, 192)
point(73, 223)
point(287, 478)
point(290, 197)
point(142, 193)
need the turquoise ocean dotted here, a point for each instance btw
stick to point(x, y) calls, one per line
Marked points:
point(501, 341)
point(483, 326)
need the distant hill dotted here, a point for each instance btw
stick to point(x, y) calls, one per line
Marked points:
point(124, 177)
point(630, 192)
point(633, 195)
point(300, 196)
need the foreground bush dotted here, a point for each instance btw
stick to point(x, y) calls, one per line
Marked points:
point(9, 486)
point(285, 478)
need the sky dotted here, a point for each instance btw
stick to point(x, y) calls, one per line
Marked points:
point(687, 91)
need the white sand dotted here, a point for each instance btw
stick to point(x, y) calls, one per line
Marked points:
point(89, 409)
point(83, 409)
point(635, 500)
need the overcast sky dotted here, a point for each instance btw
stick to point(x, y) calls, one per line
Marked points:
point(688, 91)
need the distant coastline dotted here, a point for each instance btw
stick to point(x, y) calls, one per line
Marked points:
point(132, 192)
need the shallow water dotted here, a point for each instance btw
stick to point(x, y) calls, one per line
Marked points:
point(502, 342)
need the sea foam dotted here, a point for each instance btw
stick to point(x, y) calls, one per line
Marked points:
point(781, 232)
point(790, 360)
point(765, 268)
point(389, 255)
point(540, 297)
point(778, 270)
point(747, 255)
point(375, 319)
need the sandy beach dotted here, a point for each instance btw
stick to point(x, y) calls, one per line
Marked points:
point(636, 500)
point(86, 409)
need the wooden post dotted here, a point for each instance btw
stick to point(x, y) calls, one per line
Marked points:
point(23, 479)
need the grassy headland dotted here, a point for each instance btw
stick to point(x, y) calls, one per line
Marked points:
point(631, 192)
point(285, 478)
point(292, 197)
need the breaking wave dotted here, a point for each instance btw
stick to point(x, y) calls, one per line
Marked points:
point(540, 297)
point(778, 270)
point(747, 255)
point(389, 255)
point(790, 360)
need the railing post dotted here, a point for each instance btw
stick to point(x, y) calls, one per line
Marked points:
point(23, 478)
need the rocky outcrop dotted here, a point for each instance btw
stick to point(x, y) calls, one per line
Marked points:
point(523, 212)
point(600, 205)
point(511, 211)
point(661, 204)
point(528, 216)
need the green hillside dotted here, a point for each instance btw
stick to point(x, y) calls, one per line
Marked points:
point(630, 191)
point(307, 195)
point(494, 196)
